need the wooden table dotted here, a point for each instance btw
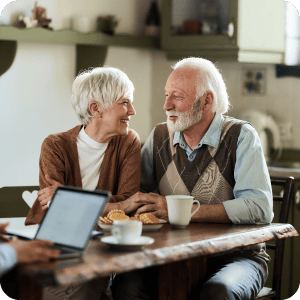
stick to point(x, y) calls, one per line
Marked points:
point(173, 250)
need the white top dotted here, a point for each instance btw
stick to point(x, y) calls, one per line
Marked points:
point(90, 155)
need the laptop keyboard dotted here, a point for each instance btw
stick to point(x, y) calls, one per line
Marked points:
point(64, 250)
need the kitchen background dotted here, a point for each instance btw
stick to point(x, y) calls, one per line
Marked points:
point(36, 90)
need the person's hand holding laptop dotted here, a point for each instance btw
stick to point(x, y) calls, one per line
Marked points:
point(71, 218)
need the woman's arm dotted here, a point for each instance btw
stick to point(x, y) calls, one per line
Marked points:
point(128, 175)
point(52, 164)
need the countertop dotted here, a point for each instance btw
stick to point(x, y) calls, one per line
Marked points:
point(283, 172)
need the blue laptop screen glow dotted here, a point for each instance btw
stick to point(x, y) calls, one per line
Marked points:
point(71, 217)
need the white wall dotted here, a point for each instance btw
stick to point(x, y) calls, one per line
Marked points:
point(35, 92)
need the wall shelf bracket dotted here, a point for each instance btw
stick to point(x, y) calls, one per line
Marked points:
point(89, 56)
point(8, 50)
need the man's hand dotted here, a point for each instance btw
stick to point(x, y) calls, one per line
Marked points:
point(33, 251)
point(3, 231)
point(153, 203)
point(45, 195)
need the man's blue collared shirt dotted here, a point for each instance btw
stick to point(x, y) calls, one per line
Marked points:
point(253, 202)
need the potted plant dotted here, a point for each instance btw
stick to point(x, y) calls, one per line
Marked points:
point(107, 24)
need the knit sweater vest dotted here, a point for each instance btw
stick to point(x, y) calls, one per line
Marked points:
point(209, 177)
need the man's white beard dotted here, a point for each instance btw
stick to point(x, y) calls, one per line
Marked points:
point(185, 120)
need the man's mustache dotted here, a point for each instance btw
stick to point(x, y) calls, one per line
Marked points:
point(172, 113)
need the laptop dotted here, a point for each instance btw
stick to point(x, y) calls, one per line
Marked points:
point(71, 218)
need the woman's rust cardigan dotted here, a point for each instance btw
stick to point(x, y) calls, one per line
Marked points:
point(120, 170)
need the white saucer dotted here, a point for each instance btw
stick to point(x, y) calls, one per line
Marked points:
point(139, 243)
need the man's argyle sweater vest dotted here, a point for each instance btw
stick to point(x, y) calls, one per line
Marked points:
point(209, 177)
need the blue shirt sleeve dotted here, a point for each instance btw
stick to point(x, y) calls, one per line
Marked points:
point(8, 258)
point(253, 203)
point(148, 180)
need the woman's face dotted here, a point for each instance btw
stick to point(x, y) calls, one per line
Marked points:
point(115, 120)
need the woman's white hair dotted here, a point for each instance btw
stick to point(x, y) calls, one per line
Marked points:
point(104, 85)
point(210, 79)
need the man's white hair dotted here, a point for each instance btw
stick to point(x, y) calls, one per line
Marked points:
point(104, 85)
point(210, 79)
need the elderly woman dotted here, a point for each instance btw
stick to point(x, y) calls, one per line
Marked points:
point(102, 153)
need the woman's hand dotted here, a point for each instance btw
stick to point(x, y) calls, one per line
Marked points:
point(45, 195)
point(154, 203)
point(130, 206)
point(3, 231)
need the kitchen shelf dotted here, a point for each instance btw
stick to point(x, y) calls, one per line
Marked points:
point(255, 31)
point(91, 48)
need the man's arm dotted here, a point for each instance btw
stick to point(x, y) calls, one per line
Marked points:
point(211, 214)
point(148, 179)
point(253, 203)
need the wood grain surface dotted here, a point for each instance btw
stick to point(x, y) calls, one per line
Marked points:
point(171, 245)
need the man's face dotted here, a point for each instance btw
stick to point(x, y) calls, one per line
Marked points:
point(181, 106)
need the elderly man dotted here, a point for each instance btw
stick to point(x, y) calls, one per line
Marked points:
point(218, 160)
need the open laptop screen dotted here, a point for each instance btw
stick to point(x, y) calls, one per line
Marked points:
point(72, 216)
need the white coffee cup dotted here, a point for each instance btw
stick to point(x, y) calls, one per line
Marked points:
point(84, 23)
point(127, 232)
point(180, 209)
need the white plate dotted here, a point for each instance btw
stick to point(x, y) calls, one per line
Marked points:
point(140, 243)
point(146, 227)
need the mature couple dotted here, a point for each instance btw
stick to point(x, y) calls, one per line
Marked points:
point(198, 152)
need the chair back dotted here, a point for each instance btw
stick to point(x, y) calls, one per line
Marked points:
point(285, 198)
point(15, 203)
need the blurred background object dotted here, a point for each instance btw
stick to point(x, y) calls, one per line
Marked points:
point(84, 23)
point(152, 23)
point(107, 24)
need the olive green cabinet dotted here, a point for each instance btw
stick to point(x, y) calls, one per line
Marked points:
point(224, 30)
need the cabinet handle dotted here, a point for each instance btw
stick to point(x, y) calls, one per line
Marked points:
point(230, 29)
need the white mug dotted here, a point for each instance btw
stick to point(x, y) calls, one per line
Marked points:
point(180, 209)
point(127, 231)
point(84, 23)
